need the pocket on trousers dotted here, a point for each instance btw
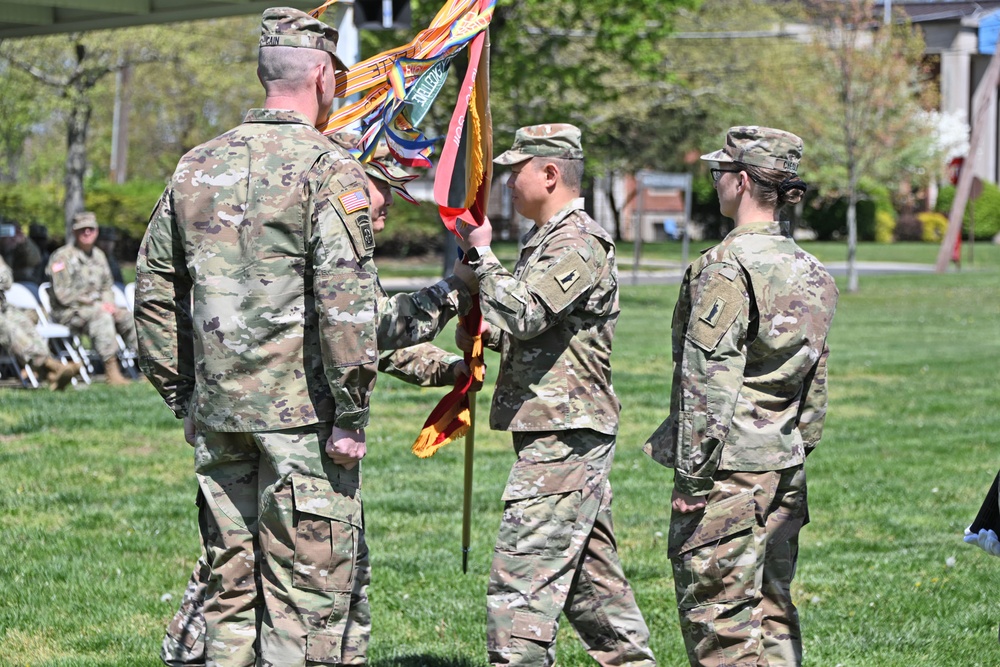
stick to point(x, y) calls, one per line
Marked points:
point(542, 508)
point(534, 627)
point(714, 553)
point(327, 524)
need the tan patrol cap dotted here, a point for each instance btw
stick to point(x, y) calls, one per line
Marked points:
point(285, 26)
point(760, 146)
point(84, 220)
point(559, 140)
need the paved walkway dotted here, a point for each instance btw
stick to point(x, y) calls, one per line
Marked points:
point(670, 273)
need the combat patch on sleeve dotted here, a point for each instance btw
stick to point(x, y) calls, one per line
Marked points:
point(715, 311)
point(566, 281)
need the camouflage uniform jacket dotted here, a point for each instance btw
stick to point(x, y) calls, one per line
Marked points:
point(265, 230)
point(749, 352)
point(78, 279)
point(553, 320)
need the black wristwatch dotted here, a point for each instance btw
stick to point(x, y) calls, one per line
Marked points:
point(476, 253)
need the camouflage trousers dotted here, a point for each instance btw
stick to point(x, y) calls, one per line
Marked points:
point(733, 565)
point(556, 552)
point(101, 326)
point(19, 335)
point(283, 532)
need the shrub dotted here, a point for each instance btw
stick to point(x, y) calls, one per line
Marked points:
point(986, 210)
point(411, 231)
point(885, 226)
point(828, 218)
point(933, 226)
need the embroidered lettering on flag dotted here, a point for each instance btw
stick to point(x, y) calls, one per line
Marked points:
point(354, 200)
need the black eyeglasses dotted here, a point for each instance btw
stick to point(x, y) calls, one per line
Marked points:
point(717, 173)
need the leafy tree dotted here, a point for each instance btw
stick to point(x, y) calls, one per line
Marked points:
point(872, 122)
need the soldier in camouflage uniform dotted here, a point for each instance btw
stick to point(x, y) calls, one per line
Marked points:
point(423, 364)
point(552, 321)
point(259, 313)
point(19, 335)
point(82, 299)
point(748, 403)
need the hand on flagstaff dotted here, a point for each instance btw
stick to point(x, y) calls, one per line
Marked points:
point(464, 339)
point(475, 236)
point(346, 448)
point(462, 372)
point(685, 504)
point(465, 273)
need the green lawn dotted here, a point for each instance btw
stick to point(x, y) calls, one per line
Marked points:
point(97, 520)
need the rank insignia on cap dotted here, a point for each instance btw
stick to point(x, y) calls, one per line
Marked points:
point(354, 200)
point(711, 316)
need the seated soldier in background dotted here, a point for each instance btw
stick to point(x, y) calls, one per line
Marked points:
point(21, 254)
point(425, 365)
point(19, 336)
point(82, 299)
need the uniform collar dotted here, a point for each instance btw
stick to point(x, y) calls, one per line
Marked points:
point(535, 234)
point(770, 228)
point(276, 116)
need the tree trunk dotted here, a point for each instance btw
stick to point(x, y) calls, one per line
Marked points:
point(852, 237)
point(76, 160)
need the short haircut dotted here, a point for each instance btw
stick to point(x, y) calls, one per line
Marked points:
point(570, 171)
point(285, 69)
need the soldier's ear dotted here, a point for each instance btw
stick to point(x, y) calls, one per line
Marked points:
point(552, 175)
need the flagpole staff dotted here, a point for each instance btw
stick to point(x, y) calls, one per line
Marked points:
point(470, 448)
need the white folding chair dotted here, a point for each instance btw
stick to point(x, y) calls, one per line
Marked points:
point(59, 338)
point(74, 347)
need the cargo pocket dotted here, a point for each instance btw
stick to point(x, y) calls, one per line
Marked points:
point(715, 553)
point(534, 627)
point(326, 535)
point(324, 648)
point(542, 508)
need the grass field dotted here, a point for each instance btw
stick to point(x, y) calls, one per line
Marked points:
point(97, 521)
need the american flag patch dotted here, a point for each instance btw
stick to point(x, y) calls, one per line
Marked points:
point(354, 200)
point(57, 267)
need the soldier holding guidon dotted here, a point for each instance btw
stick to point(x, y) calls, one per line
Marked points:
point(552, 320)
point(747, 406)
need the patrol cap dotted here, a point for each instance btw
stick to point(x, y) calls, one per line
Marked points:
point(381, 166)
point(285, 26)
point(84, 220)
point(559, 140)
point(760, 146)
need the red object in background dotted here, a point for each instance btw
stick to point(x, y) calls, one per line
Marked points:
point(954, 169)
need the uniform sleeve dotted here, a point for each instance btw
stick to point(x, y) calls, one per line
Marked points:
point(424, 365)
point(713, 359)
point(344, 285)
point(526, 307)
point(163, 309)
point(107, 280)
point(812, 409)
point(417, 317)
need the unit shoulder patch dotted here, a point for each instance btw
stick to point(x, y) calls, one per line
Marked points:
point(717, 308)
point(568, 279)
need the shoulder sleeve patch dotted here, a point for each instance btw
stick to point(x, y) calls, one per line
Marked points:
point(352, 204)
point(565, 281)
point(713, 314)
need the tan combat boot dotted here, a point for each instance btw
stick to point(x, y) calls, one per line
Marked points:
point(60, 375)
point(112, 374)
